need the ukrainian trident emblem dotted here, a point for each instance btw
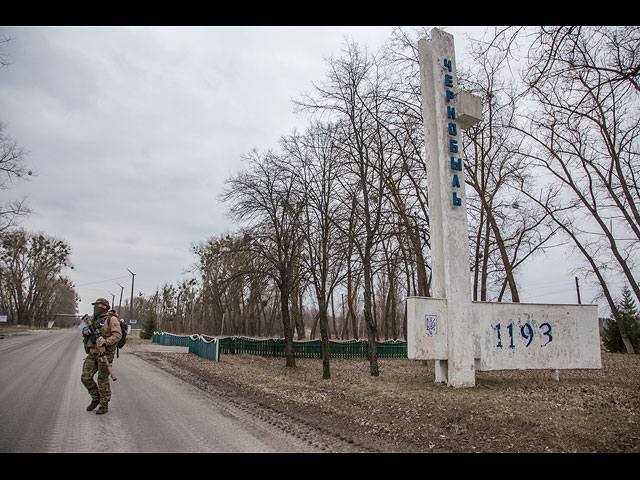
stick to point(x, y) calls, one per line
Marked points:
point(431, 324)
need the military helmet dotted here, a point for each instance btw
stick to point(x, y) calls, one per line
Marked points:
point(102, 301)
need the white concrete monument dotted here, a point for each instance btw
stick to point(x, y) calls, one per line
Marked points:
point(460, 335)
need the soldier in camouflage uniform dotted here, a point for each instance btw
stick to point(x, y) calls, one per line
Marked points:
point(110, 334)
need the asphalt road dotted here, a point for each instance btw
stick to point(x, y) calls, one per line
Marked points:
point(43, 406)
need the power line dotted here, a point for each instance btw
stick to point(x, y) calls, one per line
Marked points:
point(102, 281)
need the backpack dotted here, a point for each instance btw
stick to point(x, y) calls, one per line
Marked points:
point(123, 339)
point(123, 330)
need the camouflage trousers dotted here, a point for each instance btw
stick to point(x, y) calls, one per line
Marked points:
point(92, 364)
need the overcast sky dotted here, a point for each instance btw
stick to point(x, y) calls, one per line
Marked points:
point(132, 132)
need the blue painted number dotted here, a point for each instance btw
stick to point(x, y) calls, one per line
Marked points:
point(527, 333)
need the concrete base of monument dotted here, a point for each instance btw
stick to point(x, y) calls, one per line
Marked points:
point(457, 376)
point(506, 336)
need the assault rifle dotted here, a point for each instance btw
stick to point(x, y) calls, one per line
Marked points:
point(93, 334)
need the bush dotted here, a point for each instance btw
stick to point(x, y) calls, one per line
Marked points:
point(149, 325)
point(611, 337)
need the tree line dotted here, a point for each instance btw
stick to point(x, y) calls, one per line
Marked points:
point(333, 225)
point(33, 289)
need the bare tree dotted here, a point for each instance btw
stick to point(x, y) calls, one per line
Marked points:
point(220, 259)
point(12, 169)
point(30, 267)
point(4, 58)
point(351, 92)
point(264, 197)
point(61, 298)
point(315, 163)
point(583, 82)
point(509, 228)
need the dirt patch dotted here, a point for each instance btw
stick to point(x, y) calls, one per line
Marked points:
point(403, 410)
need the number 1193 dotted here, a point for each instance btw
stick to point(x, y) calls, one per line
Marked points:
point(526, 331)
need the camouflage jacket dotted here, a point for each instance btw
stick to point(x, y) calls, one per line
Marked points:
point(110, 330)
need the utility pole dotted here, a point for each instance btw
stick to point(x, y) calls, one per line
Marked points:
point(133, 276)
point(120, 304)
point(578, 290)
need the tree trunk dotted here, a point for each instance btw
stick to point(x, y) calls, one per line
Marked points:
point(324, 335)
point(286, 326)
point(372, 331)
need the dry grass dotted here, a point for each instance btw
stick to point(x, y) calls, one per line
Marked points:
point(403, 410)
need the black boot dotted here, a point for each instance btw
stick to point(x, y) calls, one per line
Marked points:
point(102, 410)
point(93, 404)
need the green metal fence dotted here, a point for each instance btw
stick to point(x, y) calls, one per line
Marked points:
point(205, 346)
point(170, 339)
point(201, 345)
point(211, 347)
